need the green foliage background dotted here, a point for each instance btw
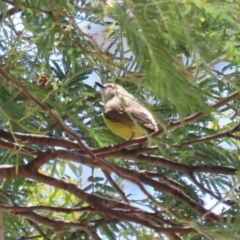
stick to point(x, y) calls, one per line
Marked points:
point(176, 57)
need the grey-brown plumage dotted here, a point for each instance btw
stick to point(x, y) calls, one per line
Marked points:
point(123, 114)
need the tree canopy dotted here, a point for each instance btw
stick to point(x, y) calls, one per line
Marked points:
point(64, 174)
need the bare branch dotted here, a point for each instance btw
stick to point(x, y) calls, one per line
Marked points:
point(19, 209)
point(167, 163)
point(9, 13)
point(115, 186)
point(38, 139)
point(19, 148)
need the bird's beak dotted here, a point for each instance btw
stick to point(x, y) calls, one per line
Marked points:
point(99, 84)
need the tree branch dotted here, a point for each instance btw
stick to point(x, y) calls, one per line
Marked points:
point(38, 139)
point(53, 115)
point(9, 13)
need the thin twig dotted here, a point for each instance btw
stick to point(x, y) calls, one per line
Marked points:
point(53, 115)
point(115, 186)
point(9, 13)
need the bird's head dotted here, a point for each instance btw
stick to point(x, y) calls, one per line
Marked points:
point(110, 90)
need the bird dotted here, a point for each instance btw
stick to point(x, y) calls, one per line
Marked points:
point(123, 114)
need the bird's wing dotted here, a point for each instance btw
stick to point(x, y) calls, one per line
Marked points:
point(124, 110)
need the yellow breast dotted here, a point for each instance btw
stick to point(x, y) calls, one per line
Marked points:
point(124, 130)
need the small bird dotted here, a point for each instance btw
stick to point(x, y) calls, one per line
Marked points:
point(123, 115)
